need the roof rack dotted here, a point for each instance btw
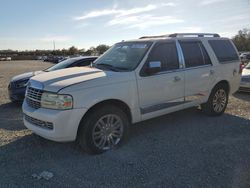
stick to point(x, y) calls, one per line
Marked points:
point(194, 35)
point(182, 35)
point(151, 37)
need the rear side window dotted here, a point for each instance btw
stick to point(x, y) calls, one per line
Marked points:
point(224, 50)
point(83, 63)
point(194, 53)
point(166, 53)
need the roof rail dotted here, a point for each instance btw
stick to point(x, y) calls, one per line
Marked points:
point(151, 37)
point(194, 35)
point(182, 35)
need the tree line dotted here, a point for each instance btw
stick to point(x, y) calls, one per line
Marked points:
point(241, 41)
point(98, 50)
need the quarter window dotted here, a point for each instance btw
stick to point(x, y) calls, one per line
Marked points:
point(166, 53)
point(194, 53)
point(224, 50)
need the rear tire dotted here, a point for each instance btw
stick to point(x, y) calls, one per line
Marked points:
point(217, 101)
point(103, 129)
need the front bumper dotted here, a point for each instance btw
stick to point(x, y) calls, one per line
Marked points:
point(244, 86)
point(65, 123)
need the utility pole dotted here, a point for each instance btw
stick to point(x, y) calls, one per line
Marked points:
point(54, 44)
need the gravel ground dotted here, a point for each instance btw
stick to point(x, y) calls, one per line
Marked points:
point(182, 149)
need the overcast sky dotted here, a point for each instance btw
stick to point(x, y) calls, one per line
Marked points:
point(30, 24)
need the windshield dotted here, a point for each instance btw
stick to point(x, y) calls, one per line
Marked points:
point(123, 56)
point(61, 65)
point(248, 66)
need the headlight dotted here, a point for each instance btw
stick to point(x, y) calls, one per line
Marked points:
point(56, 101)
point(22, 83)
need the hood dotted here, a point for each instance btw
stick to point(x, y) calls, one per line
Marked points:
point(25, 76)
point(246, 72)
point(56, 80)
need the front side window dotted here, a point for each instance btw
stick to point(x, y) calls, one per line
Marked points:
point(124, 56)
point(224, 50)
point(165, 53)
point(194, 53)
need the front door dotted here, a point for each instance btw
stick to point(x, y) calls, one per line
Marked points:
point(161, 92)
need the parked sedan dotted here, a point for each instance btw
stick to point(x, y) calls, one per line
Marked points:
point(17, 85)
point(245, 79)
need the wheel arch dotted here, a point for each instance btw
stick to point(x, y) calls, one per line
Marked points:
point(116, 102)
point(225, 83)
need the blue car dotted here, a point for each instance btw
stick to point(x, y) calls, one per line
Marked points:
point(17, 85)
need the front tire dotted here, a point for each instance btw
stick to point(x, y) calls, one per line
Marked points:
point(103, 129)
point(217, 101)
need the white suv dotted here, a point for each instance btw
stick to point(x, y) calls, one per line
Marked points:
point(133, 81)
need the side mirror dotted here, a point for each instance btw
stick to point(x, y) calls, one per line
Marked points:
point(153, 67)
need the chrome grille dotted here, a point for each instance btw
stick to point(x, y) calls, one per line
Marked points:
point(245, 79)
point(33, 97)
point(39, 123)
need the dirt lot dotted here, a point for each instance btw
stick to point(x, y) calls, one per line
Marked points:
point(183, 149)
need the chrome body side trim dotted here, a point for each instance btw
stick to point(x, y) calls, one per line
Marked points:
point(162, 106)
point(173, 103)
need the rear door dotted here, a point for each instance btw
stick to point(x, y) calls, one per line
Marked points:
point(161, 92)
point(198, 71)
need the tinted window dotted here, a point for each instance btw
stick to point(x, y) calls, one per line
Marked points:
point(83, 63)
point(223, 50)
point(165, 53)
point(194, 53)
point(61, 65)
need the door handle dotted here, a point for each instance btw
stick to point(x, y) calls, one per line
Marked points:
point(234, 72)
point(177, 78)
point(211, 72)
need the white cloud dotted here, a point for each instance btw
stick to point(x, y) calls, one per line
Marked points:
point(137, 10)
point(122, 12)
point(170, 4)
point(98, 13)
point(144, 21)
point(209, 2)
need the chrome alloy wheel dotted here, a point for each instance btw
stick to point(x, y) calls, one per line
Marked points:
point(219, 100)
point(107, 131)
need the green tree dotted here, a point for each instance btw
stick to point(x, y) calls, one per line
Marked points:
point(73, 50)
point(100, 49)
point(242, 40)
point(91, 51)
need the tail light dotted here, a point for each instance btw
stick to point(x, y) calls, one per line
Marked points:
point(241, 68)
